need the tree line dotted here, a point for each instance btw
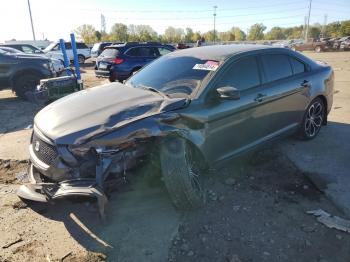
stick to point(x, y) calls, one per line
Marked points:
point(122, 33)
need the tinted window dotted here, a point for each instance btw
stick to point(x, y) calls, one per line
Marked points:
point(276, 67)
point(298, 67)
point(133, 52)
point(242, 74)
point(68, 45)
point(81, 45)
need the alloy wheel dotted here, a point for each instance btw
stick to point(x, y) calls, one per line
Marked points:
point(314, 119)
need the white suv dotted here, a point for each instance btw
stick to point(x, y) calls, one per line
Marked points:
point(54, 51)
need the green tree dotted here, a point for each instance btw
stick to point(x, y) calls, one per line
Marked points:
point(189, 35)
point(98, 35)
point(256, 32)
point(196, 36)
point(314, 32)
point(345, 28)
point(276, 33)
point(119, 32)
point(227, 36)
point(86, 32)
point(173, 35)
point(333, 29)
point(239, 34)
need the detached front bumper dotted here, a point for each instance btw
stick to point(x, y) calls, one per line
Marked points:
point(39, 191)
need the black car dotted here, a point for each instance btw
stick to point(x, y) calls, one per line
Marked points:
point(25, 48)
point(22, 72)
point(190, 110)
point(119, 62)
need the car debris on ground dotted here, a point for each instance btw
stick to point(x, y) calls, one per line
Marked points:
point(331, 221)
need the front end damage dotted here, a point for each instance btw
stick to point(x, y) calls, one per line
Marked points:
point(94, 165)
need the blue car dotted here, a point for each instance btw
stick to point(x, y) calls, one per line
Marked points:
point(118, 62)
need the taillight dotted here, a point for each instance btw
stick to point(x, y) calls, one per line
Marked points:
point(118, 61)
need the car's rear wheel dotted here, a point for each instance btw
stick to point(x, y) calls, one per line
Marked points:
point(81, 59)
point(318, 49)
point(313, 119)
point(26, 83)
point(183, 173)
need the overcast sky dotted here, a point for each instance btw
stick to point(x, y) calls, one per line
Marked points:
point(54, 19)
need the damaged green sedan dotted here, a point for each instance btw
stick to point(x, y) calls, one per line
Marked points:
point(192, 109)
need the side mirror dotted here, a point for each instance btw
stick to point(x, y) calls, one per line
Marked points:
point(228, 92)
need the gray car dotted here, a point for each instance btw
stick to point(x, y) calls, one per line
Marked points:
point(190, 110)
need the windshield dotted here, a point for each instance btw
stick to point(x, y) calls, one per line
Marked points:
point(2, 51)
point(173, 76)
point(95, 47)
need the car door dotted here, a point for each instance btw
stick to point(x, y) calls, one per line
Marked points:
point(148, 53)
point(234, 126)
point(284, 92)
point(6, 64)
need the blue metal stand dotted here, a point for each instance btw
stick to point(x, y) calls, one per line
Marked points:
point(65, 57)
point(75, 55)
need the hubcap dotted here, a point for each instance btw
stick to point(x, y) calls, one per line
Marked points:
point(314, 119)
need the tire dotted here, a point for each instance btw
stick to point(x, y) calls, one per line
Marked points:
point(318, 49)
point(183, 178)
point(26, 83)
point(313, 119)
point(81, 59)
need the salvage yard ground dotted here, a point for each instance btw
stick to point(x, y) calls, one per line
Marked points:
point(256, 211)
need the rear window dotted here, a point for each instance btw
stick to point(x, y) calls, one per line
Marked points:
point(95, 47)
point(110, 52)
point(276, 67)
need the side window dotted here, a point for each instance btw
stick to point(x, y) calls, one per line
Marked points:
point(242, 74)
point(276, 67)
point(133, 52)
point(81, 46)
point(163, 51)
point(27, 49)
point(298, 67)
point(68, 46)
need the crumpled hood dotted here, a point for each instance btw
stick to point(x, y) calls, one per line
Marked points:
point(93, 110)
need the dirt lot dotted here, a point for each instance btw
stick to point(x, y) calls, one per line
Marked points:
point(256, 211)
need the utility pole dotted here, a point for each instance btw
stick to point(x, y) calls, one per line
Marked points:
point(324, 25)
point(308, 22)
point(103, 24)
point(214, 22)
point(31, 20)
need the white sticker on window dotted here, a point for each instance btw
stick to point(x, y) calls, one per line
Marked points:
point(206, 66)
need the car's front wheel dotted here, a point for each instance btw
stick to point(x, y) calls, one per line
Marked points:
point(313, 119)
point(26, 83)
point(318, 49)
point(81, 59)
point(183, 173)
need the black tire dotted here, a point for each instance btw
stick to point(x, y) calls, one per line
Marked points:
point(183, 175)
point(318, 49)
point(313, 119)
point(111, 79)
point(81, 59)
point(25, 83)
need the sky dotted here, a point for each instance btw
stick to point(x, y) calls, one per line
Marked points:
point(54, 19)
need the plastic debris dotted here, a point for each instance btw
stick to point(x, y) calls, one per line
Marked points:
point(12, 243)
point(331, 221)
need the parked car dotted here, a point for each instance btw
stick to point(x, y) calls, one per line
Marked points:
point(54, 51)
point(118, 62)
point(99, 47)
point(29, 49)
point(191, 109)
point(22, 72)
point(317, 45)
point(344, 43)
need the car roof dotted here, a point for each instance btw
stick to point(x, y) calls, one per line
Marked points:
point(219, 52)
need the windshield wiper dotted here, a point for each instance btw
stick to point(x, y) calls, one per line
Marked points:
point(152, 89)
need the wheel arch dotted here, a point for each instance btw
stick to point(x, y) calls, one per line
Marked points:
point(325, 102)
